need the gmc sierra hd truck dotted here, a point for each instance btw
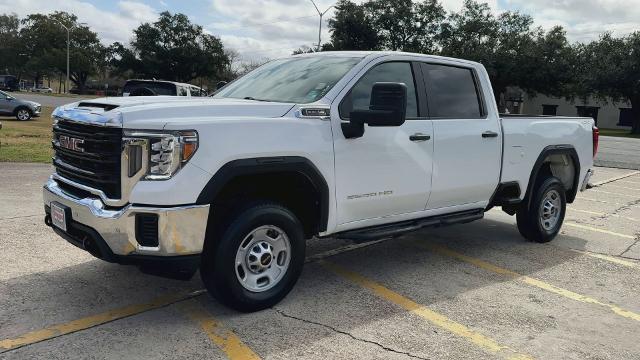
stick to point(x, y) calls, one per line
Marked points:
point(356, 145)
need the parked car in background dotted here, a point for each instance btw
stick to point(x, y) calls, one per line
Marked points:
point(45, 90)
point(136, 87)
point(22, 109)
point(9, 83)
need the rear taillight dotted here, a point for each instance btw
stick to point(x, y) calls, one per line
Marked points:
point(596, 137)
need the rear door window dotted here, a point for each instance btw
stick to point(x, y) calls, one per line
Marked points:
point(359, 97)
point(452, 92)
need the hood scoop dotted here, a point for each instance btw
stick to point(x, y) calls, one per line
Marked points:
point(92, 105)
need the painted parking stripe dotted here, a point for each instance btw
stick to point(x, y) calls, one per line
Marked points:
point(528, 280)
point(590, 228)
point(603, 214)
point(635, 196)
point(224, 338)
point(608, 258)
point(424, 312)
point(599, 201)
point(622, 187)
point(617, 178)
point(94, 320)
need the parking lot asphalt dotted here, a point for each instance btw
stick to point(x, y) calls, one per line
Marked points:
point(618, 152)
point(473, 291)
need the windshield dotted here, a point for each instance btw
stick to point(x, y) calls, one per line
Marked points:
point(297, 80)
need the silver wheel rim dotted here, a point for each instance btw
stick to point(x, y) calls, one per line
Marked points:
point(23, 115)
point(263, 258)
point(550, 210)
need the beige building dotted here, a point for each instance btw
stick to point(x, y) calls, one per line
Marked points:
point(608, 115)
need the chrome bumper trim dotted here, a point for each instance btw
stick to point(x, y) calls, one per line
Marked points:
point(587, 177)
point(181, 229)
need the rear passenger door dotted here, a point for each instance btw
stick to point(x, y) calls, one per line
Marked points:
point(467, 140)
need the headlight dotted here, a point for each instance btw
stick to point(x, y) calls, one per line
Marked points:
point(168, 151)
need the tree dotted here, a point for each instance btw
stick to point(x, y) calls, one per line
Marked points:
point(171, 48)
point(44, 42)
point(511, 49)
point(9, 32)
point(406, 26)
point(610, 69)
point(352, 28)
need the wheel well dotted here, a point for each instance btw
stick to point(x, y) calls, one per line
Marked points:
point(291, 189)
point(15, 111)
point(561, 162)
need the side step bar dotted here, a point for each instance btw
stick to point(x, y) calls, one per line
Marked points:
point(397, 229)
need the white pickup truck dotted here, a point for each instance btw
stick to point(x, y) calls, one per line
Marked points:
point(356, 145)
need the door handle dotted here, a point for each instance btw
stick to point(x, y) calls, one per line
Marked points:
point(489, 134)
point(419, 137)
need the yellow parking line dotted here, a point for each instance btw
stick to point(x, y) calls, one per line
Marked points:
point(93, 320)
point(584, 227)
point(596, 200)
point(433, 317)
point(529, 280)
point(613, 193)
point(603, 214)
point(612, 259)
point(622, 187)
point(224, 338)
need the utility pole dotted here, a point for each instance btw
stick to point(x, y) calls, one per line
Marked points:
point(321, 13)
point(66, 84)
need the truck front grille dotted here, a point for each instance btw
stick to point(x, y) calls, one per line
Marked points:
point(89, 155)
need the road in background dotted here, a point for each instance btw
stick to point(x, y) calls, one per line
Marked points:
point(619, 152)
point(47, 100)
point(472, 291)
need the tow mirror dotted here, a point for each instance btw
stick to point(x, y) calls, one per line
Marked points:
point(388, 107)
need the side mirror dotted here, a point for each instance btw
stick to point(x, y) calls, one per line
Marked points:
point(388, 107)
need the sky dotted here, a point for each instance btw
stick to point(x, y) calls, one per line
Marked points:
point(259, 29)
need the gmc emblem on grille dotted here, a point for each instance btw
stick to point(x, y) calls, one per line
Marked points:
point(71, 143)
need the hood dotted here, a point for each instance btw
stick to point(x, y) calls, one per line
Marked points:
point(147, 110)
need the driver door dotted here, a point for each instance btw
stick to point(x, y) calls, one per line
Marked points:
point(388, 170)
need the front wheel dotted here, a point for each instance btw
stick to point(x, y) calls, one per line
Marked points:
point(542, 219)
point(23, 114)
point(252, 263)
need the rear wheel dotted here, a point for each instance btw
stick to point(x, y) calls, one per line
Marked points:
point(254, 261)
point(542, 219)
point(23, 114)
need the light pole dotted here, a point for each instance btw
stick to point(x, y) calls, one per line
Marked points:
point(66, 84)
point(321, 13)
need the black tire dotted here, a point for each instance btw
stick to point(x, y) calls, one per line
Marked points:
point(23, 114)
point(530, 219)
point(218, 267)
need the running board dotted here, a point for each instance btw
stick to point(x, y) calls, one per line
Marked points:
point(397, 229)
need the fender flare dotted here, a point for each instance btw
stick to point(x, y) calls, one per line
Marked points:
point(555, 150)
point(265, 165)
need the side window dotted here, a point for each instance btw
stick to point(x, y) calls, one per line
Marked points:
point(182, 91)
point(360, 95)
point(452, 92)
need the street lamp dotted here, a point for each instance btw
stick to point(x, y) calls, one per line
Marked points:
point(321, 13)
point(66, 84)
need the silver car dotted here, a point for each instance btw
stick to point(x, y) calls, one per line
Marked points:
point(22, 109)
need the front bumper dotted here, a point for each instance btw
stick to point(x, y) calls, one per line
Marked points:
point(111, 234)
